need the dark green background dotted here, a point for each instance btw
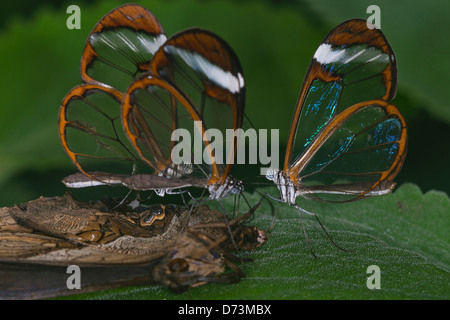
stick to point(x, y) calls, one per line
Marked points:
point(274, 40)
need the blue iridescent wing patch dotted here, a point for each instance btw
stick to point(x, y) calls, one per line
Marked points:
point(360, 150)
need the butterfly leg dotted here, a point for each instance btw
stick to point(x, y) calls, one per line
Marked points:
point(195, 202)
point(274, 218)
point(225, 217)
point(323, 228)
point(272, 197)
point(236, 206)
point(300, 210)
point(182, 192)
point(276, 211)
point(123, 200)
point(329, 237)
point(184, 200)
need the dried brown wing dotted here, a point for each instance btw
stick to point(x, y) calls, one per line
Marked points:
point(33, 264)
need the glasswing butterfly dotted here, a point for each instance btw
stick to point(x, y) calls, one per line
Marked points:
point(138, 88)
point(349, 140)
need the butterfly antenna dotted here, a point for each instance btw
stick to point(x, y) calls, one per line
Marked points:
point(250, 121)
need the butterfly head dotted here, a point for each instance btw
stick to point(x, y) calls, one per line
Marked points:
point(237, 186)
point(273, 174)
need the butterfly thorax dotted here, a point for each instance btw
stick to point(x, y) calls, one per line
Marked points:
point(220, 190)
point(176, 170)
point(289, 190)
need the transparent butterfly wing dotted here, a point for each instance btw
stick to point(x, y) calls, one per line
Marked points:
point(352, 64)
point(204, 68)
point(121, 46)
point(91, 132)
point(118, 49)
point(349, 142)
point(357, 154)
point(151, 111)
point(195, 77)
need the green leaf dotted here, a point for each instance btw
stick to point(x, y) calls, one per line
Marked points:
point(405, 234)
